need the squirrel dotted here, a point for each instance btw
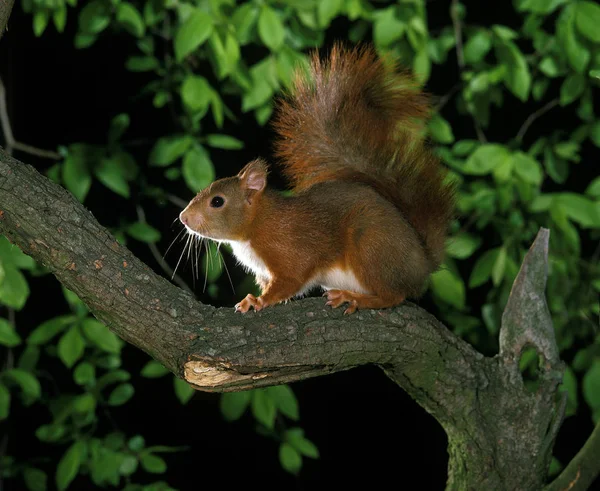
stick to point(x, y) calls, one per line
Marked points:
point(370, 206)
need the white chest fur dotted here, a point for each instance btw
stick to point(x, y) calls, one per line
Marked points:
point(339, 279)
point(249, 259)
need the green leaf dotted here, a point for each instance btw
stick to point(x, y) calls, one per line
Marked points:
point(183, 390)
point(463, 148)
point(113, 377)
point(577, 54)
point(71, 346)
point(198, 169)
point(295, 437)
point(270, 28)
point(50, 433)
point(593, 189)
point(11, 254)
point(136, 443)
point(8, 335)
point(76, 175)
point(35, 479)
point(587, 20)
point(517, 76)
point(193, 33)
point(485, 159)
point(40, 22)
point(121, 394)
point(118, 126)
point(59, 17)
point(478, 45)
point(153, 464)
point(69, 464)
point(94, 17)
point(4, 402)
point(244, 20)
point(167, 150)
point(141, 63)
point(85, 403)
point(569, 384)
point(130, 18)
point(440, 130)
point(14, 289)
point(449, 287)
point(499, 266)
point(234, 404)
point(483, 268)
point(110, 173)
point(196, 93)
point(29, 358)
point(263, 408)
point(128, 466)
point(591, 385)
point(285, 400)
point(101, 336)
point(549, 67)
point(289, 458)
point(579, 209)
point(421, 65)
point(527, 168)
point(327, 10)
point(463, 245)
point(84, 373)
point(47, 330)
point(387, 28)
point(143, 232)
point(224, 141)
point(572, 88)
point(153, 369)
point(26, 381)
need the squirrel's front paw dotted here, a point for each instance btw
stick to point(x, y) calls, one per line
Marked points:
point(249, 301)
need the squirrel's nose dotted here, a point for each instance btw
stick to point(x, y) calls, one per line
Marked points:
point(183, 218)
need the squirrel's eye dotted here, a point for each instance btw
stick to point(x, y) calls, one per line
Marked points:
point(217, 202)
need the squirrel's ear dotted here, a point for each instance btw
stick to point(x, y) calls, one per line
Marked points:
point(254, 176)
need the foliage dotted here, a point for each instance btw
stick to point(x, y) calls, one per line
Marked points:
point(193, 55)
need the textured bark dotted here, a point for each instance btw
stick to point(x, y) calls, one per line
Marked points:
point(5, 10)
point(500, 435)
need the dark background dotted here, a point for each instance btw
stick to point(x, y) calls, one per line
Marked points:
point(369, 432)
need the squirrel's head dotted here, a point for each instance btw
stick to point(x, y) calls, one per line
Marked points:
point(225, 209)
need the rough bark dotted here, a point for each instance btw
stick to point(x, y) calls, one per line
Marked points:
point(500, 434)
point(5, 10)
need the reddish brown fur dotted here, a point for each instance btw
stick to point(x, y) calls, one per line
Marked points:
point(355, 118)
point(369, 198)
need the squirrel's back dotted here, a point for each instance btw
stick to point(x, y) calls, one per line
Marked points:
point(355, 118)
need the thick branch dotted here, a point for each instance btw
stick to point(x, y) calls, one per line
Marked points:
point(500, 435)
point(215, 349)
point(583, 469)
point(5, 10)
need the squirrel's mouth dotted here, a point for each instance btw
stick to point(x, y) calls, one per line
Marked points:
point(203, 234)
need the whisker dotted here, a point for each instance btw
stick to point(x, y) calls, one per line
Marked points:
point(180, 257)
point(225, 266)
point(207, 249)
point(173, 241)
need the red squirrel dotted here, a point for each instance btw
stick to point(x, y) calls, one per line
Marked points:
point(370, 208)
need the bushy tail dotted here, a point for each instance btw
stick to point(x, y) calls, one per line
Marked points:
point(354, 117)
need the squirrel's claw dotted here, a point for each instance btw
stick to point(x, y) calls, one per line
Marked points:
point(249, 302)
point(338, 297)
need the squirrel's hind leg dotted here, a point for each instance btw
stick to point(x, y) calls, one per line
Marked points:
point(335, 298)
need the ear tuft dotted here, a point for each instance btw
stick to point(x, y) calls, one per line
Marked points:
point(254, 175)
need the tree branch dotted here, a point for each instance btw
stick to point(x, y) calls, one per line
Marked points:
point(500, 435)
point(535, 115)
point(5, 10)
point(11, 143)
point(583, 469)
